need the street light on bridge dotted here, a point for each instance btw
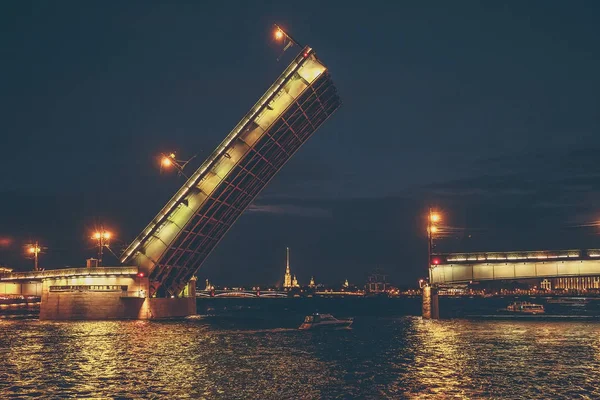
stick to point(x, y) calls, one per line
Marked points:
point(168, 161)
point(33, 250)
point(433, 219)
point(102, 238)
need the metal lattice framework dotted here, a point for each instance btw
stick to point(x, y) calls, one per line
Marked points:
point(182, 235)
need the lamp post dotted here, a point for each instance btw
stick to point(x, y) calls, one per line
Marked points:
point(433, 218)
point(102, 238)
point(168, 161)
point(280, 34)
point(34, 250)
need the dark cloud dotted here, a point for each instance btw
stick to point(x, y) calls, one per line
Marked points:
point(289, 209)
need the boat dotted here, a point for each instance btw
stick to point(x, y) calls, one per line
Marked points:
point(569, 301)
point(525, 307)
point(324, 321)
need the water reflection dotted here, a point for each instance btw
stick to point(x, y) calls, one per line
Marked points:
point(380, 358)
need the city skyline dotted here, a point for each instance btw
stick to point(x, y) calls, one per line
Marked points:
point(489, 127)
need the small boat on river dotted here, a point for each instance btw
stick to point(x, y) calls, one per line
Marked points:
point(325, 321)
point(525, 307)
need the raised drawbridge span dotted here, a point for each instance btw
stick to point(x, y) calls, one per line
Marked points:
point(179, 239)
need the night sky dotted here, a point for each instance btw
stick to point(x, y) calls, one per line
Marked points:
point(489, 112)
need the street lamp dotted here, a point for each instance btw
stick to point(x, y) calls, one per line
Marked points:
point(34, 250)
point(102, 238)
point(280, 34)
point(288, 41)
point(168, 161)
point(433, 218)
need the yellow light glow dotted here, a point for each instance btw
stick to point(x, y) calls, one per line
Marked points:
point(106, 235)
point(435, 217)
point(278, 34)
point(166, 162)
point(31, 250)
point(434, 229)
point(97, 235)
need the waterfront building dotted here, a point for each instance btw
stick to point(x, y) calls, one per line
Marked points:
point(5, 270)
point(346, 284)
point(377, 282)
point(312, 282)
point(577, 283)
point(546, 284)
point(295, 282)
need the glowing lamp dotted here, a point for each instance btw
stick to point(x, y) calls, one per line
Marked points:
point(140, 274)
point(435, 218)
point(106, 235)
point(278, 34)
point(434, 229)
point(97, 235)
point(31, 250)
point(166, 162)
point(435, 261)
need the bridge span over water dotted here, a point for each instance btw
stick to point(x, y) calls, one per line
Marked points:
point(467, 267)
point(167, 253)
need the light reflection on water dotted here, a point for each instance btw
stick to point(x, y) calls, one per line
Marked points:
point(380, 358)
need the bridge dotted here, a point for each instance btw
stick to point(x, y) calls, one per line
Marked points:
point(476, 267)
point(164, 258)
point(242, 293)
point(468, 267)
point(179, 239)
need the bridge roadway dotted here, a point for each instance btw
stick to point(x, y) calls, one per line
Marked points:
point(67, 272)
point(467, 267)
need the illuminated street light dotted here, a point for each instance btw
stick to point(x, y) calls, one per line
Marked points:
point(281, 34)
point(34, 250)
point(169, 160)
point(102, 237)
point(283, 37)
point(432, 229)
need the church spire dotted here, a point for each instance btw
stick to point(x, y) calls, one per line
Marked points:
point(287, 279)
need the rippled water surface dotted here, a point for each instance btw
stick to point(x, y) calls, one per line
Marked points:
point(381, 357)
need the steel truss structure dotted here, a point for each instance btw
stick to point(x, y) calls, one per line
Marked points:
point(180, 238)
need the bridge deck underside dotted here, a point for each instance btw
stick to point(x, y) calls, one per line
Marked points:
point(251, 174)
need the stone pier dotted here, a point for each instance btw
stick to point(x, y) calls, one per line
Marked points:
point(431, 307)
point(98, 293)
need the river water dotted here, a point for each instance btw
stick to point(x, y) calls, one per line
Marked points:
point(249, 350)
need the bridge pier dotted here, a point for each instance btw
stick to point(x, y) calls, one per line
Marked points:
point(98, 293)
point(430, 307)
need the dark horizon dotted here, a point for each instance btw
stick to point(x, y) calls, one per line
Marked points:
point(487, 112)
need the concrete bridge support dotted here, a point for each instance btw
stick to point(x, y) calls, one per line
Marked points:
point(431, 307)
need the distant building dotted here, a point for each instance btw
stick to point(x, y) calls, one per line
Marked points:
point(546, 284)
point(5, 270)
point(287, 279)
point(346, 284)
point(295, 282)
point(577, 283)
point(312, 282)
point(377, 282)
